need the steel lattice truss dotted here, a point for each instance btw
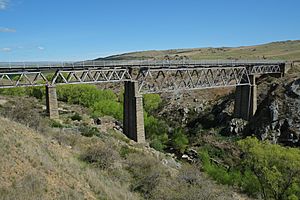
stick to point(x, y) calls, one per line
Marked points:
point(168, 80)
point(152, 76)
point(264, 69)
point(60, 77)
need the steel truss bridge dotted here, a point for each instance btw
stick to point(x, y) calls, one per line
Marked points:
point(152, 76)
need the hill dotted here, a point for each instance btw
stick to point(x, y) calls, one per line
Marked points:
point(284, 50)
point(67, 159)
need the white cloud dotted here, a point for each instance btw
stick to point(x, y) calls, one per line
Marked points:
point(7, 30)
point(5, 49)
point(41, 48)
point(3, 4)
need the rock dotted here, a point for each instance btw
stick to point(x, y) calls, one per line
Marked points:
point(171, 162)
point(274, 113)
point(237, 126)
point(98, 121)
point(294, 88)
point(187, 157)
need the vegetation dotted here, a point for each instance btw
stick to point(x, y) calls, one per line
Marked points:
point(285, 50)
point(267, 170)
point(276, 168)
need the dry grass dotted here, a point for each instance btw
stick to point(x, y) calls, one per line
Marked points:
point(286, 50)
point(28, 157)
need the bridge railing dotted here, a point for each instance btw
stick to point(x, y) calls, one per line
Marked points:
point(131, 63)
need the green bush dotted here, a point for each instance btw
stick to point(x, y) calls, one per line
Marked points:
point(125, 151)
point(76, 116)
point(179, 140)
point(85, 95)
point(277, 168)
point(19, 91)
point(151, 102)
point(156, 131)
point(56, 124)
point(89, 131)
point(108, 107)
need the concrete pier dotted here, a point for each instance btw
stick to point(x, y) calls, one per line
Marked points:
point(133, 117)
point(51, 102)
point(246, 100)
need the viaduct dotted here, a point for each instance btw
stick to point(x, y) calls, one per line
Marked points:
point(142, 77)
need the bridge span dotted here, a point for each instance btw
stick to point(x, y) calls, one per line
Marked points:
point(146, 76)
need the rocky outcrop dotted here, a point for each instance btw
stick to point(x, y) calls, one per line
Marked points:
point(236, 126)
point(278, 116)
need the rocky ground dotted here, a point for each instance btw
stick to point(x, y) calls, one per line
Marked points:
point(277, 118)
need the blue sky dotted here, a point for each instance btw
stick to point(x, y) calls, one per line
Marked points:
point(86, 29)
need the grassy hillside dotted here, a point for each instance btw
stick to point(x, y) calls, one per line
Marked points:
point(76, 159)
point(285, 50)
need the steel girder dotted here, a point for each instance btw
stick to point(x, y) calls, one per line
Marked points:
point(168, 80)
point(60, 77)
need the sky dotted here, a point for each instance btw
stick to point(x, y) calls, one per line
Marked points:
point(70, 30)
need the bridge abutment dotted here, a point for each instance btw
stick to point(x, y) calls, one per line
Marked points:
point(51, 102)
point(246, 100)
point(133, 117)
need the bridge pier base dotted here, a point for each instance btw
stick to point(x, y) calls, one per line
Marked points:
point(246, 100)
point(133, 117)
point(51, 102)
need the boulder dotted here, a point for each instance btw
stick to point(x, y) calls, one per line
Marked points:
point(294, 88)
point(237, 126)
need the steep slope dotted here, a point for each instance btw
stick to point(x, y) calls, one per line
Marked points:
point(285, 50)
point(59, 160)
point(33, 166)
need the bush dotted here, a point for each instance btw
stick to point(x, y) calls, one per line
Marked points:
point(179, 140)
point(89, 131)
point(156, 131)
point(85, 95)
point(151, 102)
point(220, 174)
point(108, 107)
point(19, 91)
point(125, 151)
point(76, 116)
point(56, 124)
point(277, 168)
point(146, 172)
point(23, 113)
point(101, 156)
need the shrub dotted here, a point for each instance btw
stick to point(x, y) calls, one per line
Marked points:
point(76, 116)
point(19, 91)
point(108, 107)
point(101, 156)
point(156, 131)
point(89, 131)
point(146, 172)
point(56, 124)
point(85, 95)
point(277, 168)
point(23, 113)
point(179, 140)
point(125, 151)
point(151, 102)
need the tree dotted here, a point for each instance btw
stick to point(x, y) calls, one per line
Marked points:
point(179, 140)
point(277, 168)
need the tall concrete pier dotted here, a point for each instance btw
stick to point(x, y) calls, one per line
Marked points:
point(51, 102)
point(246, 100)
point(133, 120)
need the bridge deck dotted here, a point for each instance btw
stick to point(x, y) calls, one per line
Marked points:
point(52, 66)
